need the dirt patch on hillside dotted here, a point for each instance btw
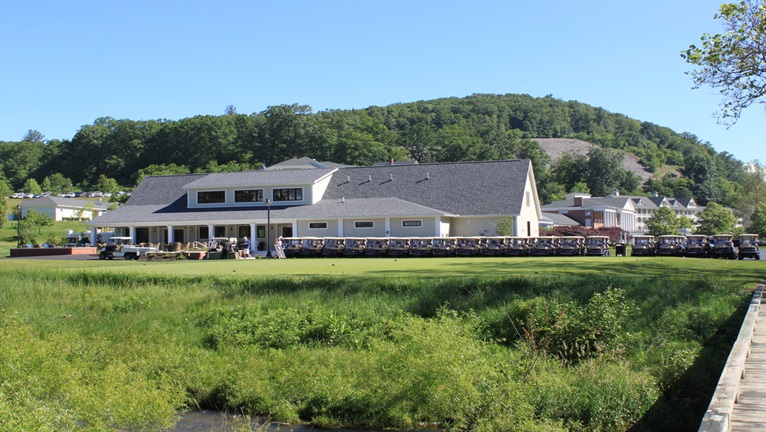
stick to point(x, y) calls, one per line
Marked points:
point(556, 147)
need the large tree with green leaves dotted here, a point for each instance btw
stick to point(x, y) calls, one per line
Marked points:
point(663, 222)
point(733, 62)
point(758, 220)
point(716, 219)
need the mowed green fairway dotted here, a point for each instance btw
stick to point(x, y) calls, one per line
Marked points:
point(468, 344)
point(415, 267)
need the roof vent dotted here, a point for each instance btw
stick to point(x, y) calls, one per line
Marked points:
point(343, 200)
point(391, 177)
point(369, 178)
point(428, 176)
point(348, 179)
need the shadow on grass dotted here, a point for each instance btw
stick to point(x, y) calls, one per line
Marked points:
point(682, 406)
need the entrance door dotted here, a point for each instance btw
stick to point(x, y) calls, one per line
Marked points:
point(178, 235)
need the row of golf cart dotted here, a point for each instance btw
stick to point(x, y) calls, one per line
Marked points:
point(444, 246)
point(698, 246)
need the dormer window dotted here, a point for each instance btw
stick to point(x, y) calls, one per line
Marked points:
point(248, 195)
point(211, 197)
point(288, 194)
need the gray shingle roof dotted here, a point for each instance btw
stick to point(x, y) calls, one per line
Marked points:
point(468, 188)
point(350, 208)
point(463, 188)
point(65, 202)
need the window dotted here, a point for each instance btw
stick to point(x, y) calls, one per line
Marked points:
point(212, 197)
point(250, 195)
point(291, 194)
point(363, 224)
point(243, 231)
point(220, 231)
point(204, 233)
point(412, 223)
point(317, 225)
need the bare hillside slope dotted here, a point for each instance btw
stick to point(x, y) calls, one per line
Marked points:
point(556, 147)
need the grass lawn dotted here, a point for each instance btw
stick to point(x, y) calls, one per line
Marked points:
point(469, 344)
point(639, 267)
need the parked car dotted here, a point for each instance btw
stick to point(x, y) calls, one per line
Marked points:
point(644, 245)
point(398, 246)
point(722, 246)
point(496, 246)
point(597, 245)
point(572, 246)
point(377, 246)
point(333, 246)
point(520, 246)
point(546, 246)
point(671, 245)
point(469, 246)
point(421, 246)
point(697, 246)
point(355, 247)
point(312, 246)
point(292, 246)
point(123, 247)
point(444, 246)
point(748, 246)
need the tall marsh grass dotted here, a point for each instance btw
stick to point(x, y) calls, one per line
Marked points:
point(84, 350)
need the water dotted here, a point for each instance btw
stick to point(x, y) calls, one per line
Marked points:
point(207, 421)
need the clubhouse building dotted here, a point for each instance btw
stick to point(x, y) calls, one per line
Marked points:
point(391, 200)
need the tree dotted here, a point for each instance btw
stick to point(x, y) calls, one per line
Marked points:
point(732, 63)
point(753, 187)
point(5, 190)
point(663, 222)
point(605, 171)
point(31, 186)
point(716, 219)
point(504, 226)
point(106, 184)
point(57, 183)
point(170, 169)
point(758, 220)
point(36, 220)
point(33, 136)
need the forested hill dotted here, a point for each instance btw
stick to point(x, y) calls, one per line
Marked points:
point(477, 127)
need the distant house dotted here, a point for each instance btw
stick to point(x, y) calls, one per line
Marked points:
point(60, 209)
point(407, 200)
point(628, 212)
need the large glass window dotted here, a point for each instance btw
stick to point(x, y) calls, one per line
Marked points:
point(288, 194)
point(211, 197)
point(317, 225)
point(363, 224)
point(250, 195)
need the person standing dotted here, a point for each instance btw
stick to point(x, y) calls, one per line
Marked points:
point(245, 248)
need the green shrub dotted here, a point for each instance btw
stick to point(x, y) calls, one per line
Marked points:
point(571, 332)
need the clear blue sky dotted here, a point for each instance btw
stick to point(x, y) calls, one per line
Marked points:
point(66, 63)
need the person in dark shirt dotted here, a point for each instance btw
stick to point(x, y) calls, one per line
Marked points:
point(244, 247)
